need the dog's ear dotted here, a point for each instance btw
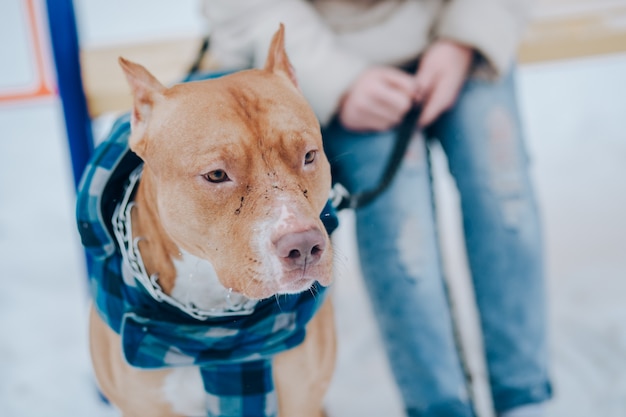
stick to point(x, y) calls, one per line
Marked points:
point(146, 89)
point(277, 60)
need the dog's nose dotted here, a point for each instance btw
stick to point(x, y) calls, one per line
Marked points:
point(301, 249)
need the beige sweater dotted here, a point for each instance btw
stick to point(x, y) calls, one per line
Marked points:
point(329, 42)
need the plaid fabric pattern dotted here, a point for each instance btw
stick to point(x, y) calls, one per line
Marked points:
point(234, 353)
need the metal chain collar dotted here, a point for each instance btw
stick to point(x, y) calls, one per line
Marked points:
point(122, 228)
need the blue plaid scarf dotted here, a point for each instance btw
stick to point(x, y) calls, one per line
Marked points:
point(233, 352)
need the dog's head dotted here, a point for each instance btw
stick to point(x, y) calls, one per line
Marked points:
point(239, 174)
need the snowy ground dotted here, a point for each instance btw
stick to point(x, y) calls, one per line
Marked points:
point(574, 114)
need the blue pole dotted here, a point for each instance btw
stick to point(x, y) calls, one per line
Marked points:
point(65, 48)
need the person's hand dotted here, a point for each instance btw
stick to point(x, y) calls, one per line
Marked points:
point(442, 71)
point(377, 100)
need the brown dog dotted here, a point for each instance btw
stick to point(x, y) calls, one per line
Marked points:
point(226, 212)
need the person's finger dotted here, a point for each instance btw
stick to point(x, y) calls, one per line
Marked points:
point(363, 113)
point(441, 99)
point(400, 81)
point(424, 82)
point(394, 103)
point(383, 116)
point(383, 102)
point(361, 122)
point(378, 100)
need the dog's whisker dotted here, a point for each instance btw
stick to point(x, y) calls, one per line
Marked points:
point(277, 297)
point(251, 283)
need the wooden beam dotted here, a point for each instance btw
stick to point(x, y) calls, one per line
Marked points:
point(104, 81)
point(552, 36)
point(574, 36)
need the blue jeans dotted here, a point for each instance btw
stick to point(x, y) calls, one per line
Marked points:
point(400, 259)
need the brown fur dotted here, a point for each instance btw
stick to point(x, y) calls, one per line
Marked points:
point(256, 126)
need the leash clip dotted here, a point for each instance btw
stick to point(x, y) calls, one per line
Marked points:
point(340, 197)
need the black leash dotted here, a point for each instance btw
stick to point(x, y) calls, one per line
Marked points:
point(195, 65)
point(342, 199)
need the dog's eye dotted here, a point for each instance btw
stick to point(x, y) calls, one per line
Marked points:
point(219, 175)
point(309, 157)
